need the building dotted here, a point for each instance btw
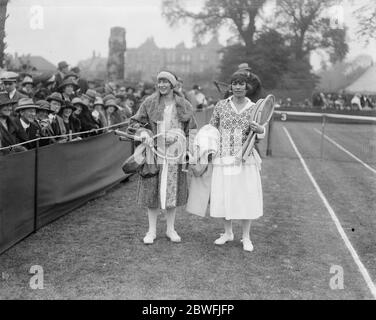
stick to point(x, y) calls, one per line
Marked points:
point(144, 62)
point(94, 67)
point(29, 63)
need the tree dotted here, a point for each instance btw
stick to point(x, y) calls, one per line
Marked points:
point(239, 15)
point(269, 58)
point(3, 17)
point(306, 28)
point(366, 16)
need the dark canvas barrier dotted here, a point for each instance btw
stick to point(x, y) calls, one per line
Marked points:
point(16, 197)
point(71, 174)
point(66, 177)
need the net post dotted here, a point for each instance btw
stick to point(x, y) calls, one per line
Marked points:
point(323, 124)
point(269, 141)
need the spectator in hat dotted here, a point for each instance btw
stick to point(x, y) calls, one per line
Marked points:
point(45, 86)
point(129, 107)
point(44, 122)
point(68, 88)
point(89, 97)
point(26, 120)
point(99, 113)
point(79, 105)
point(27, 87)
point(82, 83)
point(56, 101)
point(122, 91)
point(109, 88)
point(112, 110)
point(10, 132)
point(9, 80)
point(66, 113)
point(62, 70)
point(86, 118)
point(91, 84)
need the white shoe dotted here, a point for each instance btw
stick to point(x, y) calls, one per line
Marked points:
point(224, 238)
point(173, 236)
point(149, 238)
point(247, 245)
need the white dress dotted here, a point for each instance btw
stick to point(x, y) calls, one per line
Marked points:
point(236, 190)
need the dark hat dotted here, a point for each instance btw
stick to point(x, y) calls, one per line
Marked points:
point(91, 94)
point(25, 103)
point(68, 105)
point(129, 87)
point(44, 105)
point(56, 96)
point(244, 66)
point(70, 74)
point(79, 101)
point(111, 103)
point(5, 101)
point(196, 87)
point(62, 65)
point(68, 82)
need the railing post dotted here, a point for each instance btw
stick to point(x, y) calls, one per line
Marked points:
point(269, 141)
point(323, 123)
point(36, 185)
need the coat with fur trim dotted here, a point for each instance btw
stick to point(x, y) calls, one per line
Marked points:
point(148, 115)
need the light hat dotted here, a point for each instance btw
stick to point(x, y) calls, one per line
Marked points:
point(169, 76)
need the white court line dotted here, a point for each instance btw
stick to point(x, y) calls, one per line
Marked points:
point(345, 150)
point(348, 244)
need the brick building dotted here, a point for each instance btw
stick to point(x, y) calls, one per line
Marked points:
point(144, 62)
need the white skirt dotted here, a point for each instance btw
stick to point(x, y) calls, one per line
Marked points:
point(236, 190)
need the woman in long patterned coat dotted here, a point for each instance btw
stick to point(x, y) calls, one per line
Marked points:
point(165, 111)
point(236, 192)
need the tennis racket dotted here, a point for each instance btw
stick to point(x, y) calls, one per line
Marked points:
point(263, 114)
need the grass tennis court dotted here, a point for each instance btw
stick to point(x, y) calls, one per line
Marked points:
point(96, 252)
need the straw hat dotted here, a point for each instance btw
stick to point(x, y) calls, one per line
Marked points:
point(26, 103)
point(56, 96)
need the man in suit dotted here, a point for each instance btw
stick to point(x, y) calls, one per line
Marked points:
point(10, 132)
point(26, 120)
point(9, 80)
point(62, 70)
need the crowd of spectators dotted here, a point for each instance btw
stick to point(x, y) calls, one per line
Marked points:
point(61, 107)
point(333, 101)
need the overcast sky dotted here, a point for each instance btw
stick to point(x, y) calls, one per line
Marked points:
point(72, 29)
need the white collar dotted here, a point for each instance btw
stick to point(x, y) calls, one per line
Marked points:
point(247, 105)
point(24, 124)
point(12, 93)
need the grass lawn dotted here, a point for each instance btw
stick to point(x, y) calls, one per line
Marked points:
point(96, 252)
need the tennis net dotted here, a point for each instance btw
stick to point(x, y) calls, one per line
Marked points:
point(332, 137)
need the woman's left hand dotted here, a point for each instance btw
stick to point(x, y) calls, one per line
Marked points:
point(257, 128)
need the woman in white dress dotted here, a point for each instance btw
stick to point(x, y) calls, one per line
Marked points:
point(236, 191)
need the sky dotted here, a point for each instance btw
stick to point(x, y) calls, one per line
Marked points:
point(72, 29)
